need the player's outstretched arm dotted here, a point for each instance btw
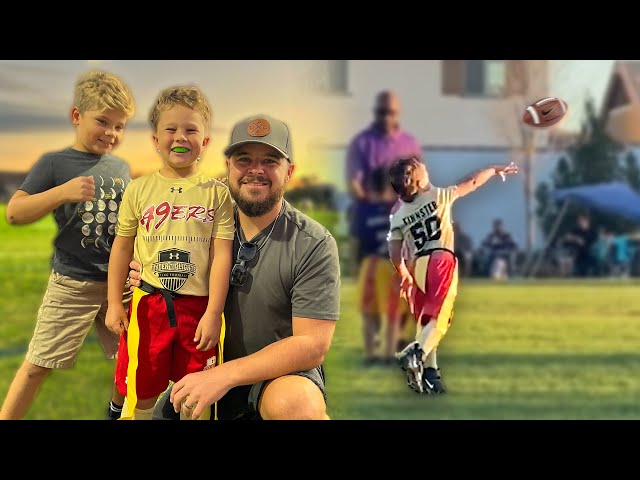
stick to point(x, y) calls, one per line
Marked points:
point(480, 177)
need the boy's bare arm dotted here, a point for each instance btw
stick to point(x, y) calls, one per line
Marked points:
point(121, 254)
point(356, 189)
point(24, 208)
point(221, 260)
point(406, 278)
point(480, 177)
point(395, 254)
point(208, 331)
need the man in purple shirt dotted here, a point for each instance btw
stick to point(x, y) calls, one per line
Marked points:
point(378, 145)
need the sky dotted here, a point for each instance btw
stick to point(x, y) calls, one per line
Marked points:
point(576, 80)
point(36, 97)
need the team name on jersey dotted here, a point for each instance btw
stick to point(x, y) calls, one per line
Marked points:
point(164, 211)
point(424, 211)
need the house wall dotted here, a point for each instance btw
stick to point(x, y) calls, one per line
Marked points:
point(623, 124)
point(459, 134)
point(437, 120)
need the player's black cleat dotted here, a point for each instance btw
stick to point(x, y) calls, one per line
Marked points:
point(432, 381)
point(410, 359)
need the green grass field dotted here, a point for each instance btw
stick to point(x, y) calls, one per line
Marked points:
point(523, 350)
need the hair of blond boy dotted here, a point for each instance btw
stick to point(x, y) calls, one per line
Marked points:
point(189, 96)
point(100, 90)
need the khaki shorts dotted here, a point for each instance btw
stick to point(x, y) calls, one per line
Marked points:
point(68, 310)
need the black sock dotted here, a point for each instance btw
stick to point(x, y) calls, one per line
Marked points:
point(114, 410)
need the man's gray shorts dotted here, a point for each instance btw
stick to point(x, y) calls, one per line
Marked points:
point(240, 403)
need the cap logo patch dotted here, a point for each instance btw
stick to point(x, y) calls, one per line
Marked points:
point(258, 128)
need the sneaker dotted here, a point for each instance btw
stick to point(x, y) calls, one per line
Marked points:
point(410, 359)
point(432, 381)
point(164, 408)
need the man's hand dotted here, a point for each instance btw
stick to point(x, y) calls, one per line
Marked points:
point(196, 391)
point(504, 170)
point(79, 189)
point(134, 274)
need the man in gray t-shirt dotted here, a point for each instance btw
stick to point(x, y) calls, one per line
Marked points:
point(283, 298)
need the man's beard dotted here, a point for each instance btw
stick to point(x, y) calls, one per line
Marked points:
point(255, 208)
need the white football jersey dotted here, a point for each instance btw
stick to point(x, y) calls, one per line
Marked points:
point(424, 223)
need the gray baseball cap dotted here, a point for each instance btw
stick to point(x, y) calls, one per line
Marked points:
point(261, 129)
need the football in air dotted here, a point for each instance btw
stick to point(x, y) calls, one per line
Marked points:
point(545, 112)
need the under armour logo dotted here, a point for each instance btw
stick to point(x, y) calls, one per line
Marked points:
point(174, 255)
point(179, 189)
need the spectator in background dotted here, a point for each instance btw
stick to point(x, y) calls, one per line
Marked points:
point(622, 254)
point(463, 249)
point(500, 247)
point(581, 240)
point(601, 250)
point(378, 145)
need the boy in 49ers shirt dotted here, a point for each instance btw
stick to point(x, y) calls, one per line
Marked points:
point(179, 223)
point(420, 223)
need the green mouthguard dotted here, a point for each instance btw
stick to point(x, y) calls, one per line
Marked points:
point(180, 150)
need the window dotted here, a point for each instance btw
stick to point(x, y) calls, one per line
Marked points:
point(485, 78)
point(338, 76)
point(332, 77)
point(495, 77)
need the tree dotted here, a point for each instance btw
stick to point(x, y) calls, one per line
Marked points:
point(632, 171)
point(594, 157)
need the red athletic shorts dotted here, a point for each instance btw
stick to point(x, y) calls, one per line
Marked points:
point(435, 288)
point(164, 353)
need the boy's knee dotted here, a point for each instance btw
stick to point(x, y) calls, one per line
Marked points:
point(33, 371)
